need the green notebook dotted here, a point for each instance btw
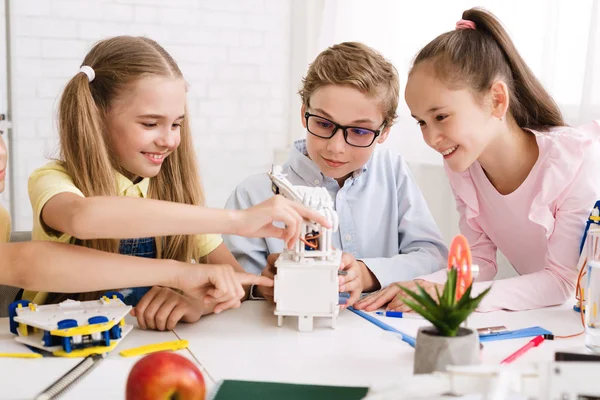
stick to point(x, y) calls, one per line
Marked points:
point(247, 390)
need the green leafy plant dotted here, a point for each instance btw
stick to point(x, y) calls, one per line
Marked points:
point(446, 314)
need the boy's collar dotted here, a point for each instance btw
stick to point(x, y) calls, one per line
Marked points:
point(302, 165)
point(307, 169)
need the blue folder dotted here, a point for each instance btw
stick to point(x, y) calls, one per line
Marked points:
point(518, 333)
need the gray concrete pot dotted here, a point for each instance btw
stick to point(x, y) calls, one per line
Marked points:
point(435, 353)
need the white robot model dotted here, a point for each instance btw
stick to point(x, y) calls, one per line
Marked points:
point(306, 283)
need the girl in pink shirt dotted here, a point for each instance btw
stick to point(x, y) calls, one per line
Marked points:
point(523, 181)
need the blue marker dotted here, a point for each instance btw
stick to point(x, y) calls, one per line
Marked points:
point(397, 314)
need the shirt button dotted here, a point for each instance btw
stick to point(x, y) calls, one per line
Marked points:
point(348, 238)
point(317, 181)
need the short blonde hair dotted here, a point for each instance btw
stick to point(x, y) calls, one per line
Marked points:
point(357, 65)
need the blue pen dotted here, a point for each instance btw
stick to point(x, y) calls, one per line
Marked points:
point(398, 314)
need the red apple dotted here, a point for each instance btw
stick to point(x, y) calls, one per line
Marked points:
point(165, 376)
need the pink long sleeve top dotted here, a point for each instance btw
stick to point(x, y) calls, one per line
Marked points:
point(538, 227)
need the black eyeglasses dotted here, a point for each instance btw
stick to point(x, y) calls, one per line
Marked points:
point(353, 135)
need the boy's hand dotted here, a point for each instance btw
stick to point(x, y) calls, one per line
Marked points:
point(162, 308)
point(258, 221)
point(353, 281)
point(268, 273)
point(395, 296)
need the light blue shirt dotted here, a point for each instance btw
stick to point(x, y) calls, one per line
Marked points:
point(384, 219)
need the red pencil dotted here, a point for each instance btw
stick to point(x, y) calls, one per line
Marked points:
point(535, 342)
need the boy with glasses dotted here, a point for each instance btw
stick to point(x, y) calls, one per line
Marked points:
point(349, 101)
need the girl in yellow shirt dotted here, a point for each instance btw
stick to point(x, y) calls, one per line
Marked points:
point(47, 266)
point(128, 181)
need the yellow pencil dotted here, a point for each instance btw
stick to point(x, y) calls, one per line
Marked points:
point(153, 348)
point(21, 355)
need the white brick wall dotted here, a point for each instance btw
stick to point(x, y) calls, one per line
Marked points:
point(234, 53)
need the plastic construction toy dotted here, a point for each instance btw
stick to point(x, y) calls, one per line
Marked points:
point(306, 283)
point(71, 328)
point(587, 252)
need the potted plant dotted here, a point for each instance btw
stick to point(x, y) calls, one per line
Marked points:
point(446, 342)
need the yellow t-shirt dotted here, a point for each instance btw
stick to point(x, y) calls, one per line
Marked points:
point(52, 179)
point(4, 225)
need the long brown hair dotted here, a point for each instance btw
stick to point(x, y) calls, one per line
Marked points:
point(85, 149)
point(475, 58)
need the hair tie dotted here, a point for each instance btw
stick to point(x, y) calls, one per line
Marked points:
point(89, 71)
point(465, 24)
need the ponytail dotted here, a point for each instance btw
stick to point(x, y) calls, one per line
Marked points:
point(477, 57)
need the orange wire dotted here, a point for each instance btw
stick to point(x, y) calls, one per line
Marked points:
point(578, 290)
point(579, 296)
point(311, 245)
point(569, 336)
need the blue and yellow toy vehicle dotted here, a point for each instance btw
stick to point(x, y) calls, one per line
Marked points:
point(71, 328)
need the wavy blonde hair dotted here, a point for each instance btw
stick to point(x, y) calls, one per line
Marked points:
point(359, 66)
point(85, 150)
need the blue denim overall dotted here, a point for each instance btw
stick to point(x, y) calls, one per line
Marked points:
point(142, 247)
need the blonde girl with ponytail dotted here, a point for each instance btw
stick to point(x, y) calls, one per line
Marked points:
point(127, 179)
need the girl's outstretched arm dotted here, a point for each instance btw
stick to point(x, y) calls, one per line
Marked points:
point(121, 217)
point(48, 266)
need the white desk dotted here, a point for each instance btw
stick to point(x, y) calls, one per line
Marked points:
point(24, 378)
point(246, 344)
